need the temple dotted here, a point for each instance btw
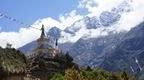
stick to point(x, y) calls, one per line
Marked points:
point(47, 60)
point(43, 42)
point(44, 46)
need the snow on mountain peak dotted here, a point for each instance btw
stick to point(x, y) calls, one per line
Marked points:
point(96, 26)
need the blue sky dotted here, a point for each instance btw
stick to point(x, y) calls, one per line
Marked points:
point(28, 11)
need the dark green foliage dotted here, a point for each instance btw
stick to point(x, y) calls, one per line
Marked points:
point(43, 65)
point(94, 74)
point(125, 76)
point(113, 77)
point(58, 77)
point(68, 57)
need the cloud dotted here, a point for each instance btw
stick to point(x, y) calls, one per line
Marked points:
point(128, 19)
point(134, 17)
point(95, 7)
point(69, 18)
point(20, 38)
point(26, 35)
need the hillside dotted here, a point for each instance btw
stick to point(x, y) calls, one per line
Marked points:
point(12, 61)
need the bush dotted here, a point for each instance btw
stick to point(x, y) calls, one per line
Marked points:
point(95, 74)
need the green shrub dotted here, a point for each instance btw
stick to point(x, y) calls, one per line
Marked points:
point(96, 74)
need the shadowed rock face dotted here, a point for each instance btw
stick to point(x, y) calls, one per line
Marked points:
point(128, 54)
point(54, 32)
point(92, 51)
point(109, 18)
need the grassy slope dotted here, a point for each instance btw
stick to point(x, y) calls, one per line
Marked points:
point(11, 61)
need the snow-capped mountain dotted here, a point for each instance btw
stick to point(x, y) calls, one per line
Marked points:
point(87, 39)
point(96, 26)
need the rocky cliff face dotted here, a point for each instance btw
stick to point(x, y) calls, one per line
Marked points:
point(92, 51)
point(128, 54)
